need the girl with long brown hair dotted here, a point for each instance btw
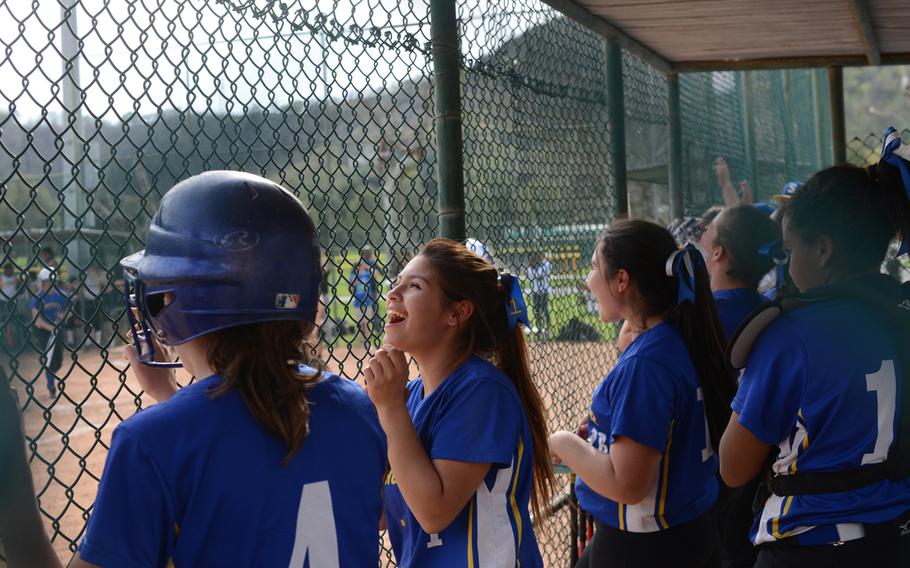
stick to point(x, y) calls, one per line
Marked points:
point(467, 438)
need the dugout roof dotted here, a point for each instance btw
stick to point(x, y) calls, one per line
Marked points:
point(710, 35)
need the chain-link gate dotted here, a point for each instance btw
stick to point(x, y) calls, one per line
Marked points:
point(111, 102)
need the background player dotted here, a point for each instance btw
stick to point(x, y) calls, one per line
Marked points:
point(648, 473)
point(253, 464)
point(821, 384)
point(740, 245)
point(467, 439)
point(49, 310)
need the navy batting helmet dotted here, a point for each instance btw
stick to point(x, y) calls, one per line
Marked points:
point(229, 248)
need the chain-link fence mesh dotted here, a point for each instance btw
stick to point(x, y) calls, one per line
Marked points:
point(109, 102)
point(536, 147)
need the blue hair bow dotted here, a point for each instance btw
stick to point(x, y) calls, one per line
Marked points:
point(893, 154)
point(516, 307)
point(682, 263)
point(775, 251)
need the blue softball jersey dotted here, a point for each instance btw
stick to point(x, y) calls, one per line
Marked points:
point(735, 304)
point(475, 415)
point(821, 385)
point(51, 305)
point(197, 481)
point(653, 396)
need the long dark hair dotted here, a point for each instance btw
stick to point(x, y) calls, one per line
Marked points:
point(642, 249)
point(262, 362)
point(469, 277)
point(860, 209)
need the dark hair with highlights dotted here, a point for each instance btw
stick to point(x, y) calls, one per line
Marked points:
point(642, 249)
point(860, 209)
point(468, 277)
point(262, 362)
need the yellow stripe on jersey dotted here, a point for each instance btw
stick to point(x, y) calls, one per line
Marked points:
point(805, 442)
point(622, 521)
point(515, 511)
point(775, 522)
point(471, 533)
point(666, 476)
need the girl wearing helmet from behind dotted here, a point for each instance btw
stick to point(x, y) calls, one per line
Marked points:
point(262, 461)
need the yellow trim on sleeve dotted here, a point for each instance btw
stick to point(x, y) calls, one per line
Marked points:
point(515, 511)
point(471, 533)
point(666, 477)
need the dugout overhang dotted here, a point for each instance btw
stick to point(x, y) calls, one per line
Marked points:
point(715, 35)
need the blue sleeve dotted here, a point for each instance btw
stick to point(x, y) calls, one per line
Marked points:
point(642, 399)
point(479, 423)
point(132, 523)
point(771, 387)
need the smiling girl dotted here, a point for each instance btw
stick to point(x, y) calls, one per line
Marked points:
point(467, 438)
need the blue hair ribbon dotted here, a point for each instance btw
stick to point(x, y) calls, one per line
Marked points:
point(515, 306)
point(897, 156)
point(775, 251)
point(682, 263)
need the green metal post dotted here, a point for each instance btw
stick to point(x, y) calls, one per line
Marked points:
point(617, 120)
point(675, 133)
point(449, 154)
point(748, 120)
point(821, 142)
point(836, 100)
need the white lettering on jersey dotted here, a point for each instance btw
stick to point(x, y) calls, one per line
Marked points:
point(315, 535)
point(884, 384)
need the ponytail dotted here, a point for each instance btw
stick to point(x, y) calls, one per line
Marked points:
point(262, 362)
point(512, 358)
point(699, 325)
point(674, 284)
point(493, 332)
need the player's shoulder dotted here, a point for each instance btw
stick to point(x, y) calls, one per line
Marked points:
point(333, 389)
point(189, 405)
point(482, 379)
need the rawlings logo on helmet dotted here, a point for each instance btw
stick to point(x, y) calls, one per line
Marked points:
point(239, 240)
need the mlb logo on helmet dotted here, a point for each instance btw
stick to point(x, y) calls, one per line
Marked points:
point(287, 301)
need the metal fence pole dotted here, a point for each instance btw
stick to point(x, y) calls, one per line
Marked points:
point(449, 155)
point(617, 117)
point(76, 215)
point(821, 156)
point(748, 121)
point(675, 147)
point(836, 100)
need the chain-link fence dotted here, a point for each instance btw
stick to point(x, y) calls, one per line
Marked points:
point(109, 102)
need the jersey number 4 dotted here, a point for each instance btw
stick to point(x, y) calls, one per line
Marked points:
point(315, 537)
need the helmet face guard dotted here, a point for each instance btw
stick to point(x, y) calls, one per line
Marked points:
point(139, 326)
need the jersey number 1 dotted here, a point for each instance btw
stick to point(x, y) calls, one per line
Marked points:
point(315, 536)
point(884, 384)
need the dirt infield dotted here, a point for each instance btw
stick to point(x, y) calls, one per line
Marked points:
point(69, 437)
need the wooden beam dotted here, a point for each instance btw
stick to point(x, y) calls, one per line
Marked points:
point(788, 63)
point(608, 30)
point(863, 18)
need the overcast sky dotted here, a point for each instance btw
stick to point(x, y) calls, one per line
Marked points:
point(199, 53)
